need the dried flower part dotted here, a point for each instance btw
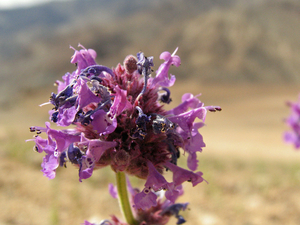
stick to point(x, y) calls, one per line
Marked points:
point(118, 119)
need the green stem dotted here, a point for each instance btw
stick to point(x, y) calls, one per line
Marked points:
point(123, 199)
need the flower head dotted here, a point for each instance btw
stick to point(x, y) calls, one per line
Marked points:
point(118, 119)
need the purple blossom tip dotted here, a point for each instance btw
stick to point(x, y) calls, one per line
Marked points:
point(113, 191)
point(293, 136)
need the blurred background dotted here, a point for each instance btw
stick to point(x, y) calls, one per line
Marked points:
point(242, 55)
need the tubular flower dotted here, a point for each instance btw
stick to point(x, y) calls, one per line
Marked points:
point(293, 121)
point(118, 119)
point(158, 214)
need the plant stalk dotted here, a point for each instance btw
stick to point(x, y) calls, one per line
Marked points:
point(123, 199)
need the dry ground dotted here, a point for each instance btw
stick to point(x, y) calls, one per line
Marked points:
point(254, 178)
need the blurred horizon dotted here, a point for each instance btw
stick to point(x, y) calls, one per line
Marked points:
point(232, 41)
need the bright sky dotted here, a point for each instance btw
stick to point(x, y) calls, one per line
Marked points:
point(10, 4)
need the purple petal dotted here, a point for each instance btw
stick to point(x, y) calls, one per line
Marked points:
point(68, 78)
point(87, 223)
point(155, 180)
point(131, 190)
point(113, 190)
point(97, 148)
point(162, 77)
point(181, 175)
point(62, 139)
point(185, 120)
point(145, 199)
point(40, 143)
point(193, 144)
point(173, 192)
point(49, 165)
point(290, 137)
point(120, 102)
point(66, 116)
point(86, 167)
point(192, 161)
point(102, 123)
point(83, 58)
point(85, 95)
point(188, 101)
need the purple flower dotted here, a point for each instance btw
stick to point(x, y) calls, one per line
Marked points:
point(83, 58)
point(117, 118)
point(293, 121)
point(56, 143)
point(160, 212)
point(162, 76)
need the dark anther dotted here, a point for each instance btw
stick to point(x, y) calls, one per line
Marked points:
point(36, 149)
point(63, 159)
point(175, 153)
point(32, 129)
point(54, 117)
point(141, 124)
point(180, 220)
point(165, 98)
point(174, 210)
point(162, 124)
point(74, 154)
point(214, 108)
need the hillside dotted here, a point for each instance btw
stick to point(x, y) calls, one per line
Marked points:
point(219, 41)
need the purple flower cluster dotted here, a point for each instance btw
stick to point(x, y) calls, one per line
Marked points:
point(158, 214)
point(116, 117)
point(293, 121)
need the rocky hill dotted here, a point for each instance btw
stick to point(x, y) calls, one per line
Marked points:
point(218, 40)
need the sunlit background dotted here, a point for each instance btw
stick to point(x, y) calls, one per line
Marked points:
point(242, 55)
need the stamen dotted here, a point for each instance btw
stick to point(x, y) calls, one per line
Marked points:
point(162, 124)
point(38, 130)
point(62, 97)
point(175, 153)
point(213, 108)
point(141, 124)
point(145, 68)
point(63, 159)
point(96, 70)
point(46, 103)
point(165, 98)
point(86, 118)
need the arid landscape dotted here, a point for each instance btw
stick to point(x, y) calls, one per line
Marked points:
point(242, 57)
